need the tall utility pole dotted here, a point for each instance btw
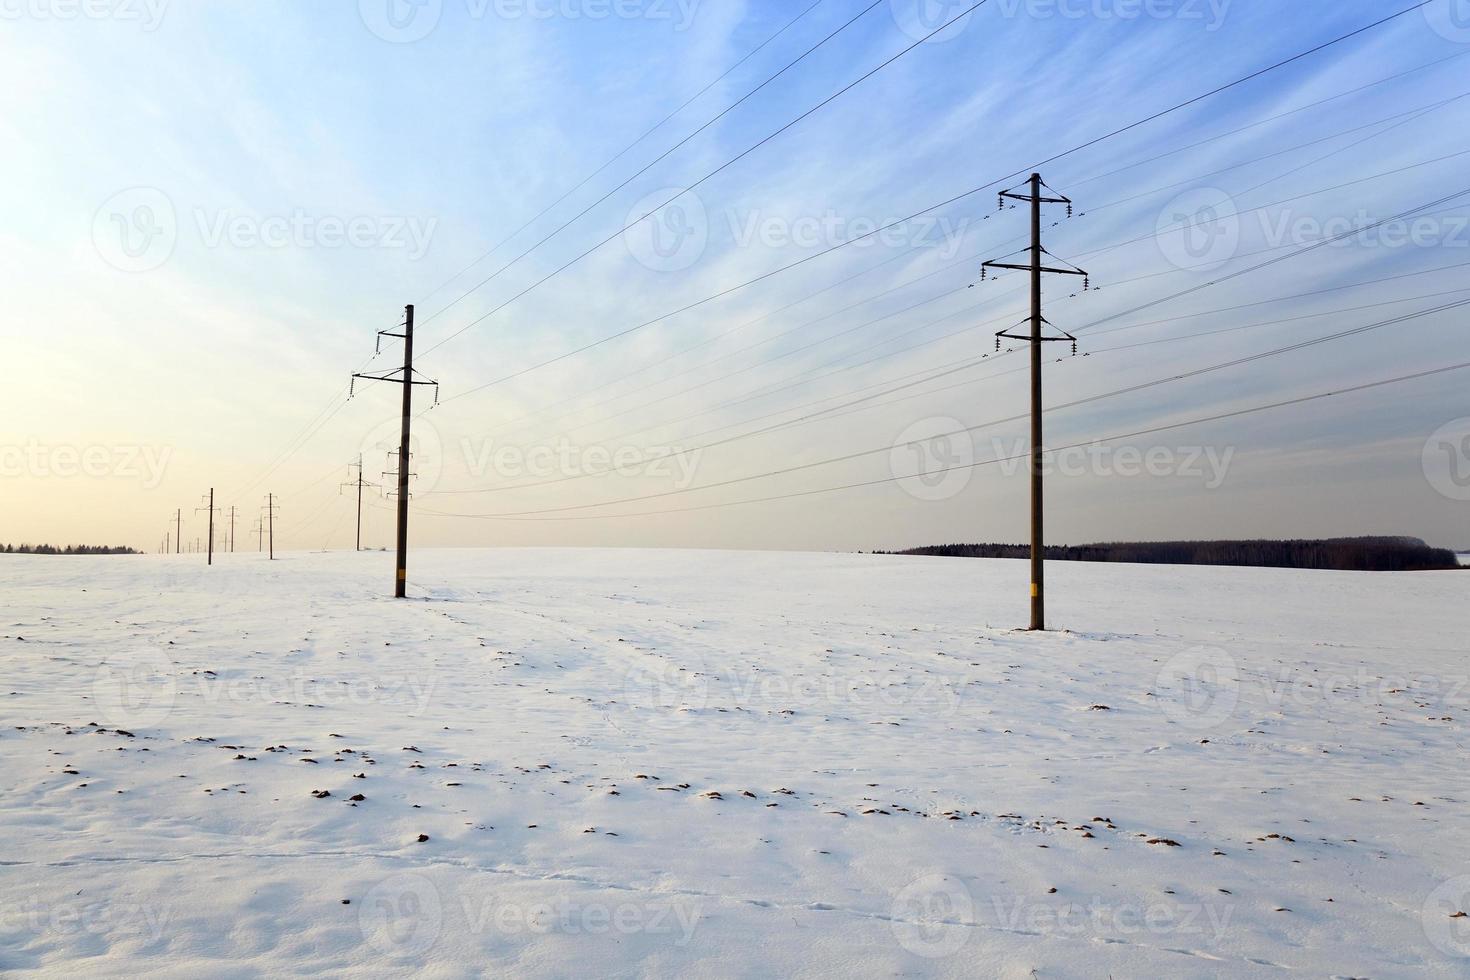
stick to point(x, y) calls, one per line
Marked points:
point(178, 531)
point(232, 530)
point(259, 530)
point(211, 509)
point(270, 517)
point(405, 378)
point(1036, 266)
point(359, 484)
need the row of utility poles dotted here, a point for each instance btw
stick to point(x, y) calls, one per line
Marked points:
point(264, 528)
point(1040, 262)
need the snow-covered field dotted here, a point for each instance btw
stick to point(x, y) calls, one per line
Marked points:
point(638, 763)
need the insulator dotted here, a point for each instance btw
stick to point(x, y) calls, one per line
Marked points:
point(984, 272)
point(1074, 348)
point(1000, 202)
point(997, 344)
point(1086, 283)
point(1069, 210)
point(351, 387)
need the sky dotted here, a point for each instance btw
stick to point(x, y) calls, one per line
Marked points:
point(640, 238)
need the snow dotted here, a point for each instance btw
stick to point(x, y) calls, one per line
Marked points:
point(920, 776)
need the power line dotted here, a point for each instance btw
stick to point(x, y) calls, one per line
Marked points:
point(988, 462)
point(933, 374)
point(1130, 389)
point(943, 268)
point(1093, 142)
point(625, 150)
point(334, 406)
point(713, 173)
point(660, 158)
point(1269, 119)
point(798, 379)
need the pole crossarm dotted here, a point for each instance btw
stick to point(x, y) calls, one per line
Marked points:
point(396, 376)
point(1027, 268)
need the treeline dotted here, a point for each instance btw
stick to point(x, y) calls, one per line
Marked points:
point(1369, 554)
point(71, 549)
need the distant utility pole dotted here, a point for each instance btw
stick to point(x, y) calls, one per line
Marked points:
point(1033, 195)
point(232, 530)
point(405, 378)
point(259, 530)
point(211, 509)
point(270, 517)
point(359, 484)
point(178, 530)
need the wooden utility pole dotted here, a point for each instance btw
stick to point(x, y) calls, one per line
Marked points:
point(232, 530)
point(400, 581)
point(359, 483)
point(178, 531)
point(1036, 266)
point(405, 378)
point(270, 516)
point(210, 508)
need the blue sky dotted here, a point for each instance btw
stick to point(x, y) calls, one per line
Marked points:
point(305, 170)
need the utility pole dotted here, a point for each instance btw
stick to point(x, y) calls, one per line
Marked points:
point(259, 530)
point(270, 517)
point(359, 484)
point(211, 509)
point(178, 530)
point(1036, 266)
point(405, 378)
point(232, 530)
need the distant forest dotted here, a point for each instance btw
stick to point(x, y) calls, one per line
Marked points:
point(1342, 554)
point(71, 549)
